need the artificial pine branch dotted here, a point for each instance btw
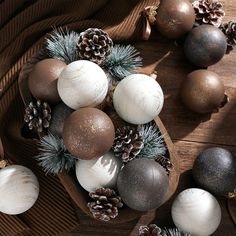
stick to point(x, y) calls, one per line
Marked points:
point(154, 144)
point(61, 44)
point(53, 156)
point(122, 61)
point(154, 230)
point(174, 232)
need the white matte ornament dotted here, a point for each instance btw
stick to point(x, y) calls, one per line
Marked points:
point(19, 189)
point(82, 84)
point(97, 173)
point(196, 211)
point(138, 99)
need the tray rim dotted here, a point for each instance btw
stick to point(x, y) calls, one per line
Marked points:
point(72, 188)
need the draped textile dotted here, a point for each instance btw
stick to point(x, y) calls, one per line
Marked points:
point(23, 25)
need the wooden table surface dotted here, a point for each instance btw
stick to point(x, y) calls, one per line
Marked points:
point(191, 133)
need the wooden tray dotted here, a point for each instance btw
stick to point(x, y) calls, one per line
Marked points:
point(69, 181)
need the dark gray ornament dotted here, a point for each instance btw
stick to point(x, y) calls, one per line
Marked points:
point(142, 184)
point(215, 170)
point(205, 45)
point(59, 113)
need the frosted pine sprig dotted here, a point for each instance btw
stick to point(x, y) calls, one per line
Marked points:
point(122, 61)
point(53, 156)
point(175, 232)
point(61, 44)
point(154, 144)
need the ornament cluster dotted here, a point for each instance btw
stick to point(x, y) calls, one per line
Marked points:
point(206, 40)
point(196, 211)
point(84, 88)
point(100, 122)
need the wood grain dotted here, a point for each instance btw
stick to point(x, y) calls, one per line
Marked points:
point(190, 132)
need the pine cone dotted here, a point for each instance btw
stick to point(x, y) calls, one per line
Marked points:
point(165, 163)
point(208, 12)
point(37, 115)
point(105, 205)
point(150, 230)
point(94, 45)
point(128, 143)
point(229, 29)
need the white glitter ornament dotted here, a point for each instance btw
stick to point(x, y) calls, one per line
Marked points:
point(82, 84)
point(138, 99)
point(19, 189)
point(97, 173)
point(196, 211)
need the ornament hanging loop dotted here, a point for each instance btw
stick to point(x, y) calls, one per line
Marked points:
point(149, 18)
point(232, 195)
point(3, 163)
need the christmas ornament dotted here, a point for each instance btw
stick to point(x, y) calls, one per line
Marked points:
point(208, 12)
point(43, 80)
point(59, 113)
point(19, 189)
point(127, 144)
point(198, 206)
point(82, 83)
point(138, 99)
point(205, 45)
point(98, 173)
point(229, 29)
point(203, 91)
point(154, 144)
point(150, 230)
point(38, 116)
point(53, 156)
point(175, 18)
point(105, 205)
point(88, 133)
point(94, 45)
point(215, 170)
point(61, 45)
point(142, 184)
point(122, 61)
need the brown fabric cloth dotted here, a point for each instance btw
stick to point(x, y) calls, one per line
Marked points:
point(23, 24)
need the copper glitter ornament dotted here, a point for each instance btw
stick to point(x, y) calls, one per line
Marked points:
point(43, 80)
point(175, 18)
point(203, 92)
point(88, 133)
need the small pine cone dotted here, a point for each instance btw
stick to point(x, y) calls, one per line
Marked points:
point(165, 163)
point(38, 115)
point(208, 12)
point(105, 205)
point(150, 230)
point(94, 45)
point(229, 29)
point(128, 143)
